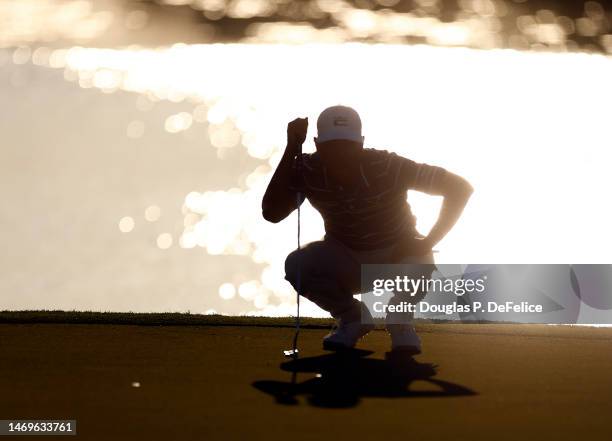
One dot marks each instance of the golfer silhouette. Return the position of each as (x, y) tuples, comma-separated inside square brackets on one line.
[(361, 195)]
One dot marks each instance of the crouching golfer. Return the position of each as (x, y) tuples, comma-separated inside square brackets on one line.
[(361, 195)]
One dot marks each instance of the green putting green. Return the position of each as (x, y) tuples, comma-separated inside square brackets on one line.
[(228, 380)]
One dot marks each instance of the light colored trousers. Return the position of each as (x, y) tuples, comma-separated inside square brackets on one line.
[(331, 275)]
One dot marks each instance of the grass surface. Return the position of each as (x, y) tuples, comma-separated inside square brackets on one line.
[(217, 381), (155, 319), (173, 319)]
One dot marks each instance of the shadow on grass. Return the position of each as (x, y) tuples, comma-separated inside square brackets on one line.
[(342, 379)]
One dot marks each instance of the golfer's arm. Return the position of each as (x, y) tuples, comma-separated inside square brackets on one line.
[(280, 199), (456, 192)]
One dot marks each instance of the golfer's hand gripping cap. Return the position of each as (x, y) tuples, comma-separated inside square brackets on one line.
[(339, 122)]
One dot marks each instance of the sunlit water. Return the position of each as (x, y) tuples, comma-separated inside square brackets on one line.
[(528, 130)]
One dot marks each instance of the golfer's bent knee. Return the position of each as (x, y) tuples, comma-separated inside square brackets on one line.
[(292, 261)]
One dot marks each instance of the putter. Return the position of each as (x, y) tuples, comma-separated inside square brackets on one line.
[(293, 352)]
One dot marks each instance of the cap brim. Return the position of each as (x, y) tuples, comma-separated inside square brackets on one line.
[(330, 137)]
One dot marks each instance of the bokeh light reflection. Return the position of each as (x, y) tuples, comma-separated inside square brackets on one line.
[(502, 118)]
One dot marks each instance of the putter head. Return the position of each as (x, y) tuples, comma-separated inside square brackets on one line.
[(291, 353)]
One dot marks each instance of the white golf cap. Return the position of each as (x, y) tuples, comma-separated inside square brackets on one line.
[(339, 122)]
